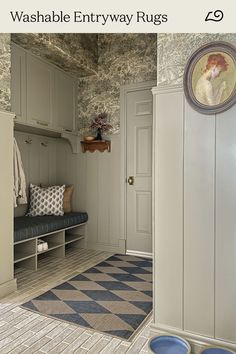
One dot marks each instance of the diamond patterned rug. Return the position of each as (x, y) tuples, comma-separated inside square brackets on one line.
[(113, 297)]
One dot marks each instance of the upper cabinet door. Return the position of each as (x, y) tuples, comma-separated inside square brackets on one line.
[(64, 100), (39, 92), (42, 95), (18, 83)]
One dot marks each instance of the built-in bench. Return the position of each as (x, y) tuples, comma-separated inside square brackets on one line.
[(57, 231)]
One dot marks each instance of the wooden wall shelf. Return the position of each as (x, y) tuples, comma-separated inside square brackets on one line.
[(100, 145)]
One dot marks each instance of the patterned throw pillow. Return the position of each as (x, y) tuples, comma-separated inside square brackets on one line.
[(67, 200), (46, 201)]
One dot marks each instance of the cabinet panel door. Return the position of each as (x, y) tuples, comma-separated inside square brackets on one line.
[(18, 83), (39, 92), (64, 101)]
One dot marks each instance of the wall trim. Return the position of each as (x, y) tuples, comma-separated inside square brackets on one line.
[(139, 254), (196, 341), (8, 114), (123, 119), (167, 88), (8, 288)]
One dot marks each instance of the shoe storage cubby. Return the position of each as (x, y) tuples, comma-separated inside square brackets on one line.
[(54, 241), (75, 237), (26, 253)]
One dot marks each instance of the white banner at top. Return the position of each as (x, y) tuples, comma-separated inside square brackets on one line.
[(103, 16)]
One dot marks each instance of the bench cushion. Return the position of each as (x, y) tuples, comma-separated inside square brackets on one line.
[(30, 226)]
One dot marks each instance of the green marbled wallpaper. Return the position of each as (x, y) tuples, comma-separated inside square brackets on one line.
[(5, 77), (122, 59)]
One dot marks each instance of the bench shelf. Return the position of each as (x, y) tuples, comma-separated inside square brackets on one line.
[(19, 257), (70, 238), (26, 253), (50, 248)]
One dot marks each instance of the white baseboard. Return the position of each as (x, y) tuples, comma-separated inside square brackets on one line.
[(197, 342), (8, 288), (139, 254), (105, 248)]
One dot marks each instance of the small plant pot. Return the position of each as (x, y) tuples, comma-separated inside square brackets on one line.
[(99, 134), (168, 344), (217, 350)]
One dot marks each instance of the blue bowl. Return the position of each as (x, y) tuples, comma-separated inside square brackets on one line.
[(169, 345), (215, 350)]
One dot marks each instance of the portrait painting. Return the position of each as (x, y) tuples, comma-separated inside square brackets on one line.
[(210, 78)]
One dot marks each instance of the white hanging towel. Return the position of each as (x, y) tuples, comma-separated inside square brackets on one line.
[(20, 196)]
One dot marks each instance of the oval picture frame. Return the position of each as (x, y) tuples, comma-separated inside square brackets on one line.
[(210, 78)]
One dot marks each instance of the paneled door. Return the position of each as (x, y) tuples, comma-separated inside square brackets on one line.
[(139, 171)]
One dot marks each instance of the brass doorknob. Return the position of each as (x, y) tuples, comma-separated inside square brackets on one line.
[(131, 180)]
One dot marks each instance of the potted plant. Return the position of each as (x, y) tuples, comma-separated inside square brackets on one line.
[(100, 124)]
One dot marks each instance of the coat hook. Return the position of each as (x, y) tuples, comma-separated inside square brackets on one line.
[(44, 144), (28, 141)]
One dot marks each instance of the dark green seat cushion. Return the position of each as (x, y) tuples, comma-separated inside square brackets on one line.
[(30, 226)]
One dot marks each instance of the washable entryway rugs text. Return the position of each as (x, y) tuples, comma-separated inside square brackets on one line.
[(113, 297)]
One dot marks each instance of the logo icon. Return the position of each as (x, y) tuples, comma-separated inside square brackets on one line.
[(215, 16)]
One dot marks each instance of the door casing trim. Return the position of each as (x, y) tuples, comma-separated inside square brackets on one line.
[(124, 90)]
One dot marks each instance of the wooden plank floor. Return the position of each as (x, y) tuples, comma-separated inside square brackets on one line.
[(26, 332)]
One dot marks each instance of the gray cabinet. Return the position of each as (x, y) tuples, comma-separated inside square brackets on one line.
[(18, 83), (65, 101), (39, 92), (42, 95)]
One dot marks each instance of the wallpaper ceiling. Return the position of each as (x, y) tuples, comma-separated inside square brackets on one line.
[(75, 53)]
